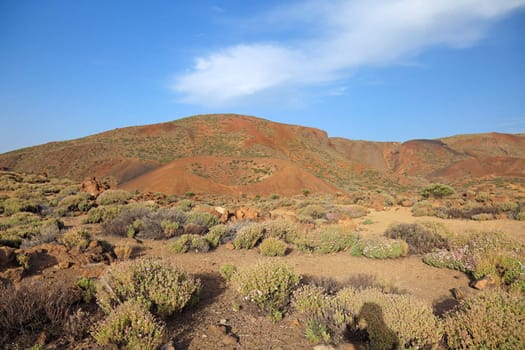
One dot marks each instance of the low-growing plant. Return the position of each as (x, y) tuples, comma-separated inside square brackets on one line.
[(227, 271), (88, 287), (333, 239), (420, 239), (123, 252), (202, 218), (132, 326), (281, 229), (190, 243), (267, 284), (185, 204), (272, 246), (23, 260), (423, 208), (77, 237), (490, 320), (76, 202), (437, 191), (380, 248), (163, 288), (391, 320), (114, 197), (217, 234), (102, 214), (249, 236), (312, 212)]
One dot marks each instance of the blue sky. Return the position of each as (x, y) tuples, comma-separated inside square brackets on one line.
[(385, 70)]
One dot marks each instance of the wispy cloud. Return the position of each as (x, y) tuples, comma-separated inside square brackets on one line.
[(341, 36)]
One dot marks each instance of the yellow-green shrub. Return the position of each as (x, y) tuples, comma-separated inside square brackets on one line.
[(248, 236), (163, 288), (267, 284), (190, 243), (76, 238), (272, 246), (490, 320), (380, 248), (131, 326)]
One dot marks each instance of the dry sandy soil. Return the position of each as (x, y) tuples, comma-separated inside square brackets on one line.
[(194, 328)]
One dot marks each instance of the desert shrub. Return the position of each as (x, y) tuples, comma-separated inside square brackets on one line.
[(185, 204), (482, 217), (34, 306), (227, 271), (507, 206), (102, 214), (120, 225), (272, 246), (217, 234), (380, 248), (423, 208), (521, 214), (170, 228), (114, 197), (354, 211), (249, 236), (14, 205), (333, 239), (282, 229), (123, 252), (76, 202), (267, 284), (76, 238), (131, 326), (437, 191), (420, 239), (190, 243), (312, 212), (202, 219), (391, 320), (164, 289), (48, 231), (88, 287), (162, 224), (490, 320)]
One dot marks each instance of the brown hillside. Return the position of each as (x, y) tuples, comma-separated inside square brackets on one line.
[(241, 154)]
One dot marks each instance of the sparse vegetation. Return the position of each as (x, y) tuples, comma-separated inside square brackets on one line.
[(269, 285), (420, 238), (437, 191), (272, 246)]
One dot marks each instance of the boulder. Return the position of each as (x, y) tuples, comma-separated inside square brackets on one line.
[(246, 213), (484, 283), (93, 186)]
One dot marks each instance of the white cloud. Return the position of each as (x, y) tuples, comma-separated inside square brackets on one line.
[(342, 36)]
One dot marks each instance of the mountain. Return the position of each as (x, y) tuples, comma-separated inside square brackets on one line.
[(234, 154)]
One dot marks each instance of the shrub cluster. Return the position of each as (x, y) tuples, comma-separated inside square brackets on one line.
[(78, 238), (190, 243), (490, 320), (114, 197), (267, 284), (131, 326), (380, 247), (249, 236), (437, 191), (164, 289), (390, 320), (420, 238), (272, 246)]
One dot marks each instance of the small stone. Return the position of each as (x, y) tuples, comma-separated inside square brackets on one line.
[(229, 246), (295, 323), (229, 340), (223, 321), (168, 346), (483, 283), (65, 264)]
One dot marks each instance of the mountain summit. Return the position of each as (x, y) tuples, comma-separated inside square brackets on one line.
[(234, 154)]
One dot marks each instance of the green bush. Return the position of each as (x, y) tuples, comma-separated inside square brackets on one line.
[(202, 219), (312, 212), (334, 238), (76, 238), (114, 197), (272, 246), (267, 284), (482, 217), (216, 235), (420, 239), (380, 248), (14, 205), (437, 191), (88, 287), (490, 320), (423, 208), (164, 289), (185, 204), (102, 214), (248, 236), (391, 320), (130, 326), (76, 202), (281, 229), (190, 243), (227, 271)]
